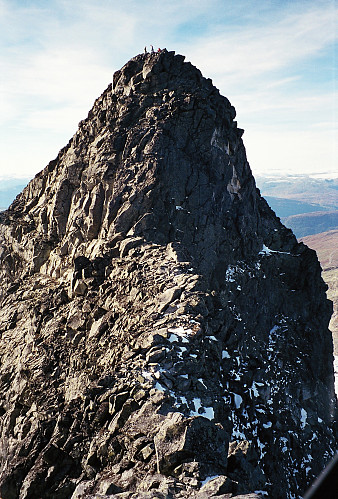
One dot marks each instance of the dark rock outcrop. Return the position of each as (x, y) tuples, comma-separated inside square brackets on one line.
[(162, 333)]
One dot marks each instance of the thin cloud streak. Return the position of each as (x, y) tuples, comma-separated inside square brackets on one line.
[(254, 52)]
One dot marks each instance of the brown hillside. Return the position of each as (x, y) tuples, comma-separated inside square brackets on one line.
[(326, 246)]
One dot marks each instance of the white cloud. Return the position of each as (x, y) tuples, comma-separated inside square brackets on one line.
[(58, 56)]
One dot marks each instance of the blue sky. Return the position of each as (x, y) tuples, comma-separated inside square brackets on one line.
[(276, 61)]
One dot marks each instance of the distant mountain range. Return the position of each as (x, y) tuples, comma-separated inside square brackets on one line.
[(306, 205), (319, 192)]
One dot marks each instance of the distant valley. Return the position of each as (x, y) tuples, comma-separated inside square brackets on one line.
[(306, 205), (319, 192), (290, 207)]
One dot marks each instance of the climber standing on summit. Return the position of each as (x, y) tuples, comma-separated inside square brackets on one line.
[(152, 49)]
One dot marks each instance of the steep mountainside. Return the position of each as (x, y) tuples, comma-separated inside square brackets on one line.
[(162, 333)]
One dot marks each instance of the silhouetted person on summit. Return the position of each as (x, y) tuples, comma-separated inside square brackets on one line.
[(152, 49), (145, 50)]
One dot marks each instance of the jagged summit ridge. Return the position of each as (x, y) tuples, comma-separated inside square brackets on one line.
[(139, 351)]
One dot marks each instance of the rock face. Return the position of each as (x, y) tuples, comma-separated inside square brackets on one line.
[(162, 333)]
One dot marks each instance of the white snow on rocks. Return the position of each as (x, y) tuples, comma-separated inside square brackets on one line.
[(238, 400), (208, 478), (267, 251), (206, 412), (267, 425), (303, 417)]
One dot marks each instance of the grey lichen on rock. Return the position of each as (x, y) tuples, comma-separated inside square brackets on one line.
[(162, 333)]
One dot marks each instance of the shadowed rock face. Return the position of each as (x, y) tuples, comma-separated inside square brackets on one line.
[(162, 333)]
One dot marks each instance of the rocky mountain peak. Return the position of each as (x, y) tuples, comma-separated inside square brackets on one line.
[(159, 149), (161, 331)]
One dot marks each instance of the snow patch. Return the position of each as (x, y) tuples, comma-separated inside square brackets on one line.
[(159, 387), (254, 390), (284, 443), (237, 434), (206, 412), (179, 332), (303, 417), (261, 447), (238, 400), (267, 251), (229, 275), (208, 478), (201, 381)]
